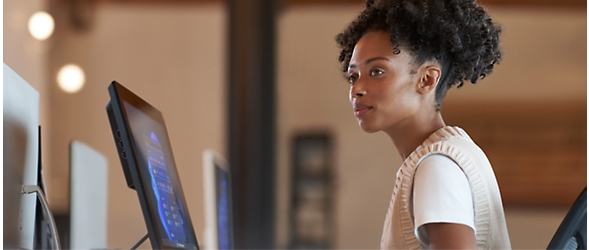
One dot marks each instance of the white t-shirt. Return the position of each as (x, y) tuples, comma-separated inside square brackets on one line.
[(441, 193)]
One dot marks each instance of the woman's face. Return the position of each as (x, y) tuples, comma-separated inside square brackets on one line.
[(383, 84)]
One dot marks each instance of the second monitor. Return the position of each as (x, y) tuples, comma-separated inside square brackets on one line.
[(218, 207), (146, 156)]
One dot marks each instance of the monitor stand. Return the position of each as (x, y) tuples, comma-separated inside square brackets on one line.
[(140, 242), (30, 189)]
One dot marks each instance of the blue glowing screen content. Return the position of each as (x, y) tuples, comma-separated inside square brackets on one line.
[(164, 196), (223, 208), (167, 205)]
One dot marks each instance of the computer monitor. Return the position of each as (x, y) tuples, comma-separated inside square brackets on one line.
[(88, 197), (146, 156), (218, 208), (572, 232), (21, 159)]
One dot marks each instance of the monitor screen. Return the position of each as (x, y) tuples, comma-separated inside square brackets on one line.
[(218, 210), (146, 155), (223, 209), (572, 232)]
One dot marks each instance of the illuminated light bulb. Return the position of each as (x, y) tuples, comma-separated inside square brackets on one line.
[(41, 25), (71, 78)]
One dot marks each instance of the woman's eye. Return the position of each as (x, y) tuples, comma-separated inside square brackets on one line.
[(376, 72), (352, 79)]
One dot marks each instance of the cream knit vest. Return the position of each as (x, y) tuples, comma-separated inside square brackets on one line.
[(491, 230)]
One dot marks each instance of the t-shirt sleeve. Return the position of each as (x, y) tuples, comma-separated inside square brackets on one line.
[(441, 194)]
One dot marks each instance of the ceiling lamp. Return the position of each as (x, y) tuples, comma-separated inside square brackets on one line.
[(41, 25)]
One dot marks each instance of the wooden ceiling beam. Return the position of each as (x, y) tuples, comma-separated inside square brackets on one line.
[(510, 3), (521, 3)]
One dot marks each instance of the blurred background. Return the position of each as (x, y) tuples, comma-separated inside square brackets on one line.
[(330, 183)]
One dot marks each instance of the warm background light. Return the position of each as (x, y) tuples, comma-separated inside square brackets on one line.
[(71, 78), (41, 25)]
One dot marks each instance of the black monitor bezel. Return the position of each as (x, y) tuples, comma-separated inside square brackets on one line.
[(129, 157)]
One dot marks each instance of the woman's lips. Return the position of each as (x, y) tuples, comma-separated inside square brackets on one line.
[(361, 109)]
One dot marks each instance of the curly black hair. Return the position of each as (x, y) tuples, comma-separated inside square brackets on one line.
[(459, 33)]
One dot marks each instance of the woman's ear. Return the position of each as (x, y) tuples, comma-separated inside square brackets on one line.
[(429, 79)]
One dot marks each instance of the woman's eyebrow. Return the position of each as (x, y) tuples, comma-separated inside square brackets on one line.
[(378, 58)]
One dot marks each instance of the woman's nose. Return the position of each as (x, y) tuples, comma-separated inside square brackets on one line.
[(357, 90)]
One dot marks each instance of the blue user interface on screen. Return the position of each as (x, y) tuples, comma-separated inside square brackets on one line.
[(151, 140), (223, 209), (169, 211)]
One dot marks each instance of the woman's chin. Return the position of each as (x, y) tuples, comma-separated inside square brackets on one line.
[(368, 129)]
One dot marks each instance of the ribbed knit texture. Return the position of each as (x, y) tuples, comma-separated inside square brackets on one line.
[(491, 230)]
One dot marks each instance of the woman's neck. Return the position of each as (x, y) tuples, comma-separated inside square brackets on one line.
[(407, 136)]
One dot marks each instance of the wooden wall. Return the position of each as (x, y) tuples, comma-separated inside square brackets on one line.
[(538, 150)]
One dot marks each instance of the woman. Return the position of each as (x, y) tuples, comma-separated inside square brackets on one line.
[(400, 57)]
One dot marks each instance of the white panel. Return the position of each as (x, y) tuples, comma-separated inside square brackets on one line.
[(21, 149), (88, 200)]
